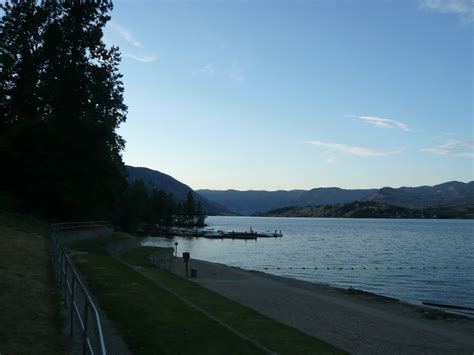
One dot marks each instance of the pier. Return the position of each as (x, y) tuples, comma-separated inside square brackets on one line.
[(210, 234)]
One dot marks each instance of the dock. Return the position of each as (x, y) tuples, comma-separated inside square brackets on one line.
[(210, 234)]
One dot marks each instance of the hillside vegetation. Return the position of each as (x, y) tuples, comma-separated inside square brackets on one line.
[(370, 209), (449, 194)]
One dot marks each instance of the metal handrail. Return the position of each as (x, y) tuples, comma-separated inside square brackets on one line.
[(79, 225), (74, 290)]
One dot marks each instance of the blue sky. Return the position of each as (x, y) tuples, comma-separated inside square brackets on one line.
[(298, 94)]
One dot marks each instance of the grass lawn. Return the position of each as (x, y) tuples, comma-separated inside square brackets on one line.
[(30, 305), (152, 320), (273, 335)]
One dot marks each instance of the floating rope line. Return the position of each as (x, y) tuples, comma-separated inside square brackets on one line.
[(370, 268)]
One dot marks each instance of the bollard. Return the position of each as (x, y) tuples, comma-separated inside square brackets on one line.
[(186, 257)]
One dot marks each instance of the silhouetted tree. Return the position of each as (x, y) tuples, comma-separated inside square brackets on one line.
[(61, 100)]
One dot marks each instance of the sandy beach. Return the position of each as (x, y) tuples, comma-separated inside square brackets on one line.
[(357, 322)]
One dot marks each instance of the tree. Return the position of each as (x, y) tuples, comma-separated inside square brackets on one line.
[(200, 216), (61, 101), (189, 209)]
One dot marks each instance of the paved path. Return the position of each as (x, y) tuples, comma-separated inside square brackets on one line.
[(358, 323)]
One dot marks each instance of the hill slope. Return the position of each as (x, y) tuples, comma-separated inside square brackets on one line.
[(370, 209), (251, 202), (453, 193), (171, 185), (449, 194)]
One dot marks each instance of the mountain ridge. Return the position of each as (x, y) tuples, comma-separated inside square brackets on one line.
[(249, 202)]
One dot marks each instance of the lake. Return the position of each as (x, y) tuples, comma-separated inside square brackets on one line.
[(412, 260)]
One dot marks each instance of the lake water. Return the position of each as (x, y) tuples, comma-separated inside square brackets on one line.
[(412, 260)]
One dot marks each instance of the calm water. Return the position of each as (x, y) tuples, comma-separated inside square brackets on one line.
[(412, 260)]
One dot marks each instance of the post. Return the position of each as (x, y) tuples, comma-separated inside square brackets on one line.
[(84, 335), (186, 257), (71, 300), (176, 249), (65, 286)]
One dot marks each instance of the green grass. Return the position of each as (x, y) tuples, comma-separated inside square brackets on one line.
[(278, 337), (150, 316), (150, 319), (30, 305), (138, 256)]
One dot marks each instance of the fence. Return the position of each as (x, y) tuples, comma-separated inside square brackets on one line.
[(77, 300)]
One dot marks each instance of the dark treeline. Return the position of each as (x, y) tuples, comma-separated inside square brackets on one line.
[(61, 101), (144, 204)]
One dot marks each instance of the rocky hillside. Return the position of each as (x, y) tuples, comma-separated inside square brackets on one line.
[(251, 202), (449, 194), (370, 209)]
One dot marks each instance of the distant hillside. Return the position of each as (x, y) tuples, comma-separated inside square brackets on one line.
[(177, 188), (251, 202), (370, 209), (449, 194)]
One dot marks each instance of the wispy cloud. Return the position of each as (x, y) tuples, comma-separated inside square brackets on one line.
[(462, 8), (131, 47), (381, 122), (124, 33), (332, 160), (208, 69), (140, 58), (352, 150), (460, 148)]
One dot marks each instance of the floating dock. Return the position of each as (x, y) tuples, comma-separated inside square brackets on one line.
[(210, 234)]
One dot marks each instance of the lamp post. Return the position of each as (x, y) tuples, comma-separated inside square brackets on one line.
[(176, 249)]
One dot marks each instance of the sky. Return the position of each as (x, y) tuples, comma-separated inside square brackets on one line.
[(270, 95)]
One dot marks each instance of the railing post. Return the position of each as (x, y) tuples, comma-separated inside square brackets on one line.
[(65, 285), (71, 330), (84, 335), (60, 271)]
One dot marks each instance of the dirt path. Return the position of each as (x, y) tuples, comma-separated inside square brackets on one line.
[(357, 323)]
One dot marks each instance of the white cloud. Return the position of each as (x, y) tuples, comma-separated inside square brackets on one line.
[(462, 8), (119, 35), (460, 148), (332, 159), (208, 69), (352, 150), (124, 33), (381, 122), (140, 58)]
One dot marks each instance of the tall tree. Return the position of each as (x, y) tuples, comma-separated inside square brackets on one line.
[(61, 100)]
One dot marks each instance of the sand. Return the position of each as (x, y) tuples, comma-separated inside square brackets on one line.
[(359, 323)]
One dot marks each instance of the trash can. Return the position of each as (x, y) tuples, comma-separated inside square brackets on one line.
[(194, 273)]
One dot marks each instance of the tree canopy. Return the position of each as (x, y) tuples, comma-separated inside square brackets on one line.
[(61, 101)]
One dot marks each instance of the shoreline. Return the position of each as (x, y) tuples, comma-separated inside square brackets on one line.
[(354, 320), (419, 307)]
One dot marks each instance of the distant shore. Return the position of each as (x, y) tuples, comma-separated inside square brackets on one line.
[(369, 209), (356, 321)]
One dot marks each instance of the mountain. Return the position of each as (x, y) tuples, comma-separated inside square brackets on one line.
[(371, 209), (251, 202), (178, 189), (449, 194), (453, 193)]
